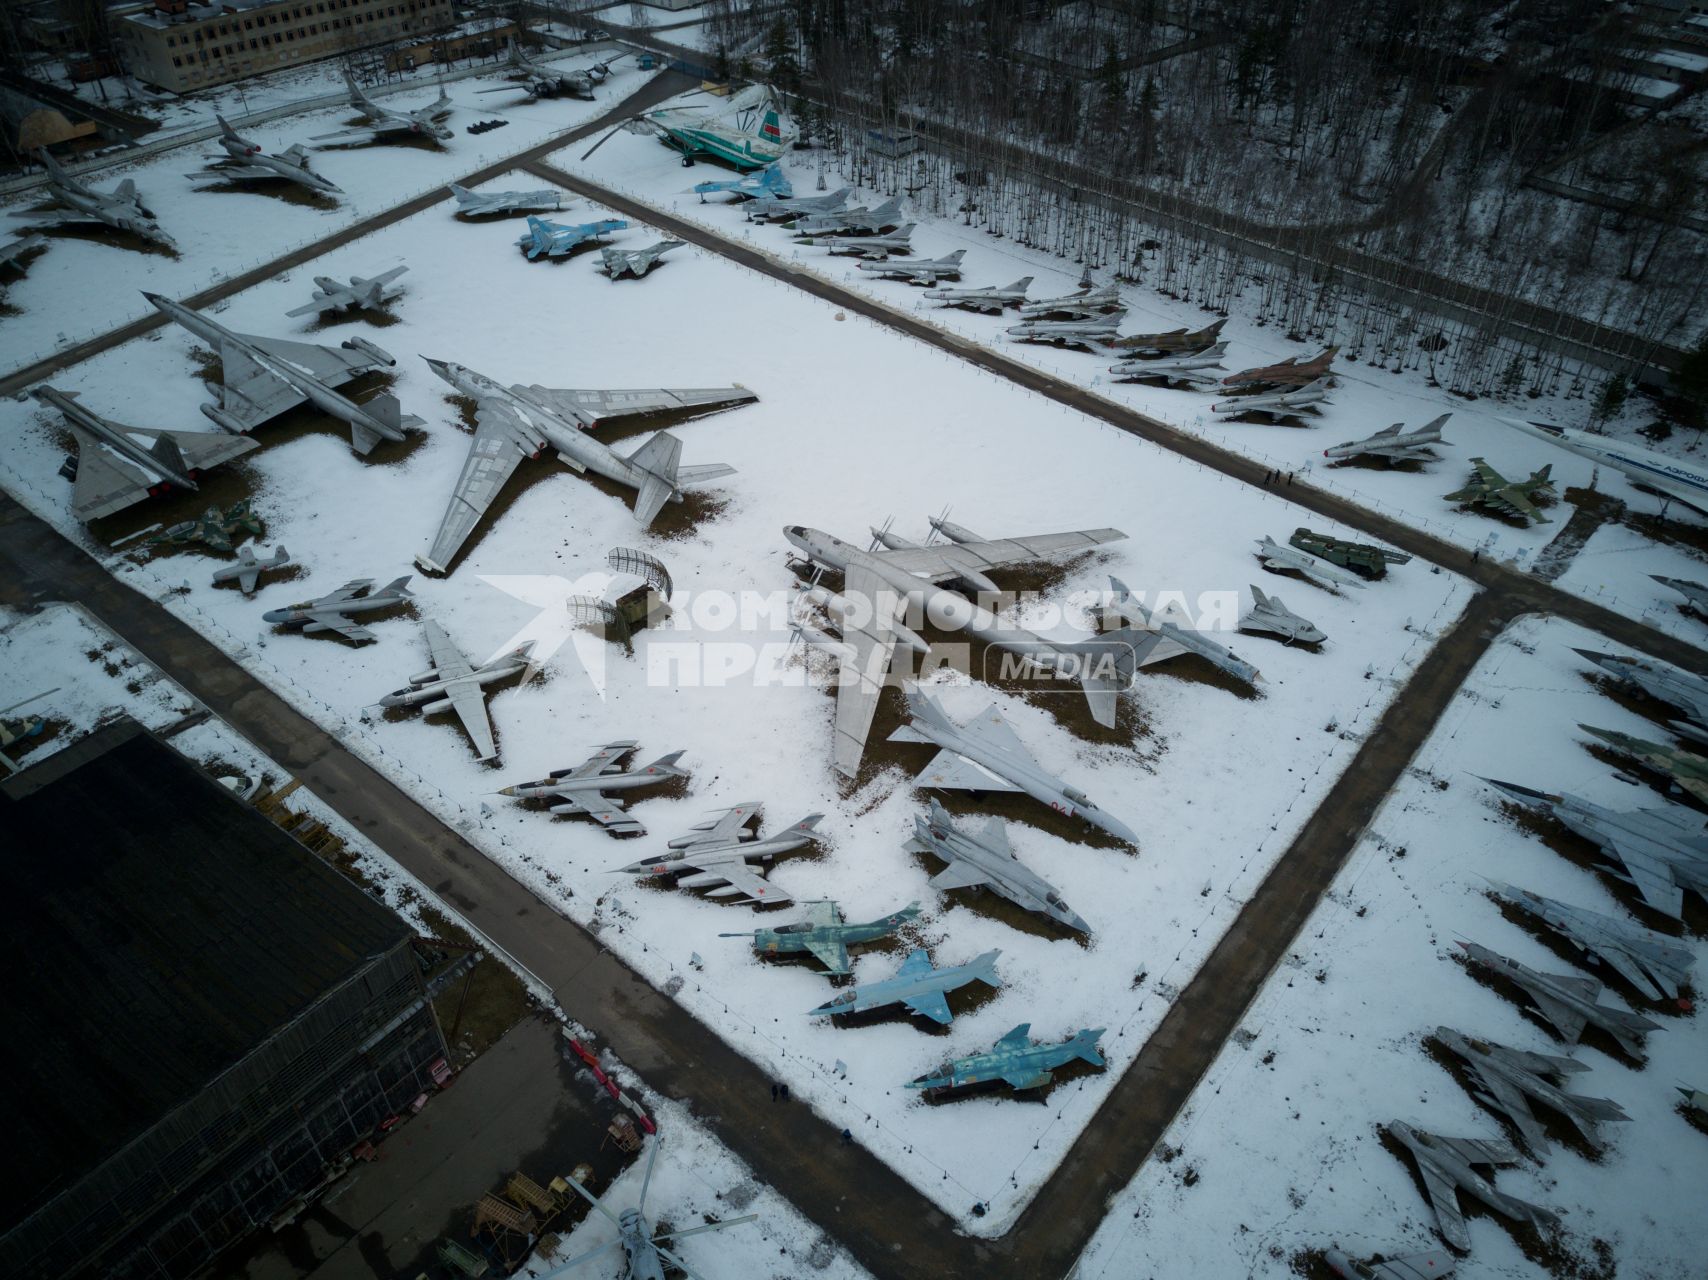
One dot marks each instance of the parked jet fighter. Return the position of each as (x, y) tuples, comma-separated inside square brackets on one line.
[(117, 465), (1176, 342), (1412, 1266), (220, 530), (580, 790), (1268, 614), (825, 935), (1190, 369), (1277, 404), (517, 422), (1291, 372), (122, 208), (263, 377), (745, 130), (452, 683), (1684, 770), (1651, 962), (874, 248), (1446, 1167), (844, 222), (1508, 1080), (1671, 477), (715, 853), (244, 161), (1280, 559), (1661, 682), (1081, 305), (383, 122), (1175, 639), (887, 582), (1515, 498), (617, 263), (985, 755), (479, 204), (1566, 1002), (990, 300), (12, 252), (923, 271), (248, 570), (336, 611), (774, 208), (558, 240), (1661, 852), (1394, 444), (916, 984), (1088, 333), (1695, 593), (768, 183), (362, 291), (987, 859), (1016, 1060)]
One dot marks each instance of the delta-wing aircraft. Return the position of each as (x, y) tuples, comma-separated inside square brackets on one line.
[(245, 161), (383, 122)]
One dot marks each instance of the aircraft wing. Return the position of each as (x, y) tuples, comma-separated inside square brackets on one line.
[(590, 804), (105, 482), (342, 296), (959, 874), (1515, 503), (1023, 1079), (591, 407), (930, 1004), (1444, 1198), (52, 217), (989, 726), (349, 591), (946, 561), (501, 440), (1516, 1106), (832, 954), (728, 826), (862, 677), (742, 877), (1653, 879), (203, 449), (448, 660), (470, 706), (952, 771), (332, 365), (357, 134), (1568, 1022), (384, 277), (249, 393), (332, 620), (599, 759)]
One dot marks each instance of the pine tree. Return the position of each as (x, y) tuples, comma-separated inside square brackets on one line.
[(1610, 403), (1691, 379)]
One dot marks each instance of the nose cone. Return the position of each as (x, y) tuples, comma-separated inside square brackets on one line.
[(1114, 826), (276, 615), (444, 368)]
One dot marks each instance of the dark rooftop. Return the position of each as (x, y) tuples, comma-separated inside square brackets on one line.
[(153, 931)]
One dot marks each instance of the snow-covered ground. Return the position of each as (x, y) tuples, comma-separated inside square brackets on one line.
[(87, 283), (903, 431), (1366, 399), (1281, 1134), (1616, 567)]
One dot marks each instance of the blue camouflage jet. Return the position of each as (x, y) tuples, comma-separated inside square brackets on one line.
[(1016, 1061), (770, 182), (558, 240)]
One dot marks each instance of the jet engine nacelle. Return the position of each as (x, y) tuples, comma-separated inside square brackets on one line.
[(435, 706), (838, 605), (1077, 796), (221, 419), (425, 677), (368, 349)]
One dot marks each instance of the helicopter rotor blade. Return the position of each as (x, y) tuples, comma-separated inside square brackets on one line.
[(710, 1226)]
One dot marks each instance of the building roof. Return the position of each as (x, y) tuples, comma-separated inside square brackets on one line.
[(153, 931)]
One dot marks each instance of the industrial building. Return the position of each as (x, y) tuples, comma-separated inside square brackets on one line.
[(206, 1020)]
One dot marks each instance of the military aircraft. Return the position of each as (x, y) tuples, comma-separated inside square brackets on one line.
[(769, 183), (1651, 962), (1364, 558), (1268, 614), (825, 935), (884, 584), (543, 81), (1277, 404), (1394, 444), (1411, 1266), (990, 300), (1684, 770), (745, 130), (925, 271), (122, 208), (1017, 1061), (1190, 369), (874, 248), (1088, 333), (453, 683), (1291, 372), (248, 570), (1082, 305), (362, 291), (1566, 1002), (1508, 1080), (13, 251), (985, 755), (1695, 593), (715, 853), (383, 122), (1280, 559), (986, 859), (517, 422), (1661, 852), (580, 790), (644, 1253), (1446, 1167), (1662, 473), (1175, 639), (337, 610), (263, 377), (1176, 342), (1515, 498), (244, 161), (859, 220), (617, 263), (117, 464), (1695, 1099), (916, 984), (1663, 683), (558, 240), (774, 208), (479, 204), (221, 530)]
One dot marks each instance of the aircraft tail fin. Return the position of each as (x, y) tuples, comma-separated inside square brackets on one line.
[(126, 190), (167, 453), (1599, 1108), (1019, 286), (984, 968), (667, 766), (463, 194), (1085, 1047), (397, 587), (806, 826), (956, 256), (1215, 352), (771, 128), (921, 707), (659, 459), (539, 237), (1107, 664), (1258, 599)]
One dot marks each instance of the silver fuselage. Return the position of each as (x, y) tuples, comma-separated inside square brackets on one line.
[(1008, 877), (114, 438)]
